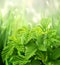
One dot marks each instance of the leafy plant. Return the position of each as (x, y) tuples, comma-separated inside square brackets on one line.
[(25, 45)]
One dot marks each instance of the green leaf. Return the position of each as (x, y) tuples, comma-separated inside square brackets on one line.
[(45, 22), (40, 43), (7, 51), (57, 62), (35, 62), (56, 53), (30, 49), (17, 60), (41, 55)]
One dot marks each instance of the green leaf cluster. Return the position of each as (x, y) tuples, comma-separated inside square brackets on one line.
[(25, 45)]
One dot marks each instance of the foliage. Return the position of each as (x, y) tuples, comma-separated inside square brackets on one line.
[(25, 45)]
